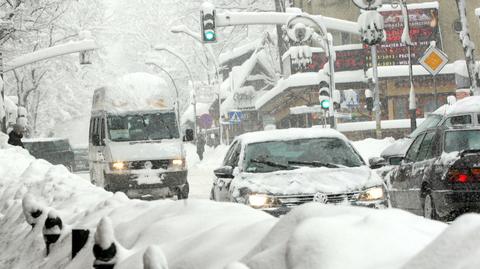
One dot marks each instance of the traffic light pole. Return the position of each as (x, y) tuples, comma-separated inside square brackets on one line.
[(376, 104)]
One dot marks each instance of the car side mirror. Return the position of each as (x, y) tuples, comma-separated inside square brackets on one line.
[(224, 172), (395, 160), (377, 162), (189, 136)]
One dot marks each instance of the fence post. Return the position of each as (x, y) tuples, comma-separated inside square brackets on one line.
[(52, 229), (104, 249)]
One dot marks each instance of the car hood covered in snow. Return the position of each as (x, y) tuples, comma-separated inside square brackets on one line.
[(308, 180), (155, 150)]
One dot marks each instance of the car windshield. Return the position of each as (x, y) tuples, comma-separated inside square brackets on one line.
[(271, 156), (142, 127), (431, 121), (460, 140)]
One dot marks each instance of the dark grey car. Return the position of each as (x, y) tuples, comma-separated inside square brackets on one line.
[(53, 150), (439, 177)]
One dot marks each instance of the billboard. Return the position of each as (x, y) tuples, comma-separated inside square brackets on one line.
[(424, 28)]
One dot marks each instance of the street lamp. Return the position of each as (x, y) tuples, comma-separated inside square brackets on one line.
[(161, 48), (174, 85), (297, 32), (183, 29)]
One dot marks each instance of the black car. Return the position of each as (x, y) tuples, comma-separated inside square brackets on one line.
[(439, 177), (81, 159), (53, 150)]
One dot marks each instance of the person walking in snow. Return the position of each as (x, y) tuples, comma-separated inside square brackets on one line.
[(16, 135), (200, 146)]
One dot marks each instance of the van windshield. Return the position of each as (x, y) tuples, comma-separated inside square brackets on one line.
[(140, 127)]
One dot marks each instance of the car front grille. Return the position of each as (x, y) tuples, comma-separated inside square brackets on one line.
[(156, 164), (295, 200)]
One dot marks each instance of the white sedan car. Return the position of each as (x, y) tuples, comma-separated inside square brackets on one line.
[(280, 169)]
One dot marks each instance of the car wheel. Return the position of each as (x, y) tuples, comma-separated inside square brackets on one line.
[(429, 208)]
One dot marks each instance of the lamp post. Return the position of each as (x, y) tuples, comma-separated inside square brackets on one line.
[(174, 85), (184, 30), (372, 36), (160, 48)]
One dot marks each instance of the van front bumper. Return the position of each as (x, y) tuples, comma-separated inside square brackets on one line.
[(148, 185)]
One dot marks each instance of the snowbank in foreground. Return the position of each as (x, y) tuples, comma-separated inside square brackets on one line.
[(192, 234), (205, 234), (316, 236)]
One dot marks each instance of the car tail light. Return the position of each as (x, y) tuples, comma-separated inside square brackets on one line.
[(457, 176), (476, 173)]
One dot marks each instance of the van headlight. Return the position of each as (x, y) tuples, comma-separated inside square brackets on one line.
[(177, 164), (119, 165), (372, 194)]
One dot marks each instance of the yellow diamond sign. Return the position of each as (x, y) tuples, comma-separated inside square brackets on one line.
[(433, 60)]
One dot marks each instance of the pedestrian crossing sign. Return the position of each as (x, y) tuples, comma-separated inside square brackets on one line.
[(235, 116)]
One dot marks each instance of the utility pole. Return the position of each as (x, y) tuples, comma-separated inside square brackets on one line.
[(468, 48), (281, 46), (4, 118)]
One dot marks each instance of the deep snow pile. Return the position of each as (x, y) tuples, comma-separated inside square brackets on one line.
[(196, 233), (370, 147), (192, 234)]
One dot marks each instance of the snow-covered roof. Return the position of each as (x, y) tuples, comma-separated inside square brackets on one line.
[(202, 108), (425, 5), (135, 92), (238, 51), (308, 79), (289, 134), (403, 71), (371, 125)]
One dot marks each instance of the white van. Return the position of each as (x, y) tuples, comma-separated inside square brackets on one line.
[(135, 144)]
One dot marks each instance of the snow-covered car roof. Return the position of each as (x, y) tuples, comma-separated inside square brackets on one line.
[(289, 134), (43, 139), (466, 105)]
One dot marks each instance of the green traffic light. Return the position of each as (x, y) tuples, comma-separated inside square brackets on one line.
[(325, 104), (209, 35)]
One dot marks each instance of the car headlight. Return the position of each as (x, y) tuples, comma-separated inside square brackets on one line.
[(371, 194), (119, 165), (260, 200)]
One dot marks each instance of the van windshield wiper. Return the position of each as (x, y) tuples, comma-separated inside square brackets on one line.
[(271, 163), (317, 164)]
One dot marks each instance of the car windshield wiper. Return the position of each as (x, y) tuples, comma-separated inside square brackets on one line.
[(271, 163), (317, 164)]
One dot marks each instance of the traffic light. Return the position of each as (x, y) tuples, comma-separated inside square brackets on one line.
[(369, 99), (324, 98), (207, 18)]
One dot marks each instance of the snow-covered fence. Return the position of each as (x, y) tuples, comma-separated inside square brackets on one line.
[(32, 210), (105, 248), (52, 229), (154, 258)]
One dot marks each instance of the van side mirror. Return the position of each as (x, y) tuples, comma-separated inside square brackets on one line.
[(395, 160), (189, 136), (96, 140), (224, 172), (377, 162)]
